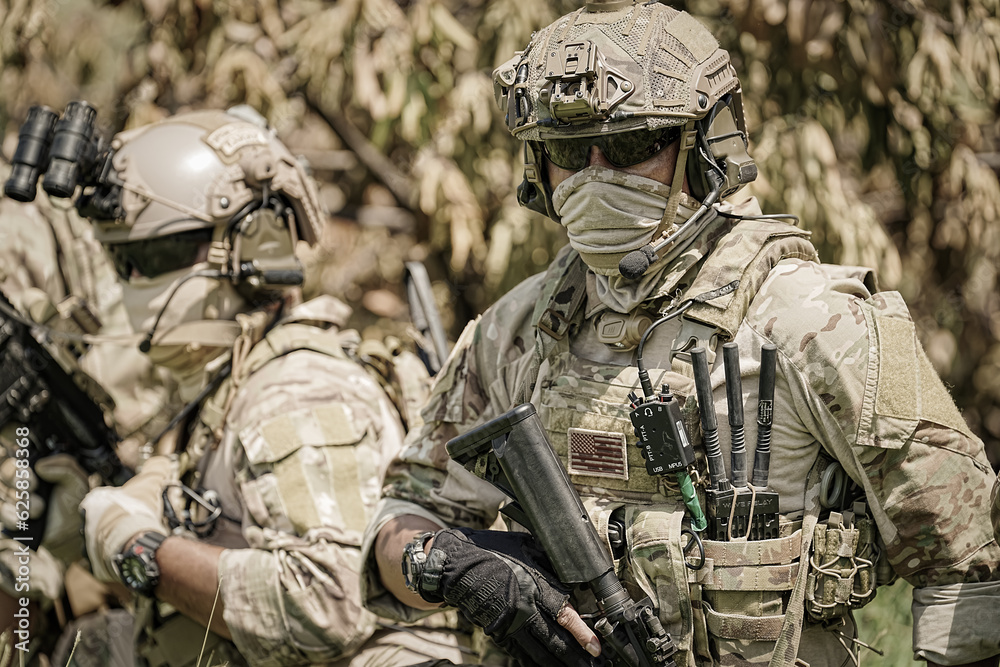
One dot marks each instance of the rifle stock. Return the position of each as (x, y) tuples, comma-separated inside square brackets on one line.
[(513, 453)]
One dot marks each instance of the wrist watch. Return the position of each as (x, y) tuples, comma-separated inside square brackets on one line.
[(415, 561), (137, 565)]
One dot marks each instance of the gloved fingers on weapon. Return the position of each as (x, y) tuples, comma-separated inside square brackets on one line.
[(19, 503), (9, 467), (585, 637), (63, 525), (63, 533), (47, 573), (538, 645), (113, 516), (504, 583)]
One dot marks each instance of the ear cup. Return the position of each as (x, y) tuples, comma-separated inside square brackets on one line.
[(724, 141), (264, 255)]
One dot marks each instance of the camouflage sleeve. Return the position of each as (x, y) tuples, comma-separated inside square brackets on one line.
[(474, 386), (310, 437), (28, 252), (870, 396)]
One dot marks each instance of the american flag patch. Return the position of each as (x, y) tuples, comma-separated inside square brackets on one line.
[(597, 453)]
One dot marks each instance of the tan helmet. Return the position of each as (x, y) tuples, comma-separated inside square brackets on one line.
[(617, 66), (207, 174)]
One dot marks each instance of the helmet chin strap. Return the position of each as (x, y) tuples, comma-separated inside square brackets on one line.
[(689, 137)]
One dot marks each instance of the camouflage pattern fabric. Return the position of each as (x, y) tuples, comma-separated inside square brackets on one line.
[(28, 252), (681, 50), (995, 509), (53, 269), (297, 466), (49, 259), (852, 381)]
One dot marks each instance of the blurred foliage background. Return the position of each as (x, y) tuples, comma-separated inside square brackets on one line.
[(873, 121)]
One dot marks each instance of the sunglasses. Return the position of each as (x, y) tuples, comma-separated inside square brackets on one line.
[(154, 257), (621, 150)]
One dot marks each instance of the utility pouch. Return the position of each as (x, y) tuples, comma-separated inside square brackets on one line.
[(741, 594), (841, 568)]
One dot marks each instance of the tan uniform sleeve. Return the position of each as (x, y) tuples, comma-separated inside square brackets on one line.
[(423, 481), (473, 387), (865, 390), (311, 436), (28, 252)]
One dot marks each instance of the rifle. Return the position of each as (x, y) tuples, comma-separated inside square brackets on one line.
[(433, 347), (513, 453), (57, 412)]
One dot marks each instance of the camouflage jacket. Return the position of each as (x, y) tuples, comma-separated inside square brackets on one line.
[(852, 382), (294, 448)]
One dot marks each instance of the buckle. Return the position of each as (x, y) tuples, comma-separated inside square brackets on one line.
[(564, 324)]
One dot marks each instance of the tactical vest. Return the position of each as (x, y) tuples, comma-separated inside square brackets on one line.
[(164, 638), (750, 597)]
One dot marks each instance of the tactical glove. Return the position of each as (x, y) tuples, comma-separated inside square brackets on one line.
[(113, 516), (504, 583), (63, 534)]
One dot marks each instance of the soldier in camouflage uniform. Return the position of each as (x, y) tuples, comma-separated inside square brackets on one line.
[(249, 521), (57, 274), (635, 142)]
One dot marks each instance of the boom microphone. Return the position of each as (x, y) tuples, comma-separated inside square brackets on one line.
[(633, 265), (637, 262)]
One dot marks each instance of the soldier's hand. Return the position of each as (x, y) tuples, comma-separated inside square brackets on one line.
[(63, 534), (503, 582), (113, 516)]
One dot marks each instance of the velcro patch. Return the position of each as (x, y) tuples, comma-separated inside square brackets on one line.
[(597, 453), (230, 138)]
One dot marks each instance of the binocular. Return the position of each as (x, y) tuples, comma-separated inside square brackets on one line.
[(65, 149)]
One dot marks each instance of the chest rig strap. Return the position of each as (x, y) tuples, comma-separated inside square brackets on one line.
[(787, 647), (559, 307)]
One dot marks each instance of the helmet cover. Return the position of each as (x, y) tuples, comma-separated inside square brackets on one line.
[(613, 67)]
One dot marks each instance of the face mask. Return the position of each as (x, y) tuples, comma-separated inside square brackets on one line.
[(623, 295), (608, 214), (198, 319)]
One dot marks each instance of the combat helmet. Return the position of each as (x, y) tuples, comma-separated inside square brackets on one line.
[(617, 66), (206, 176)]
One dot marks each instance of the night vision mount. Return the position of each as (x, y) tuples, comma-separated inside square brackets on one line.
[(64, 151), (582, 86)]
